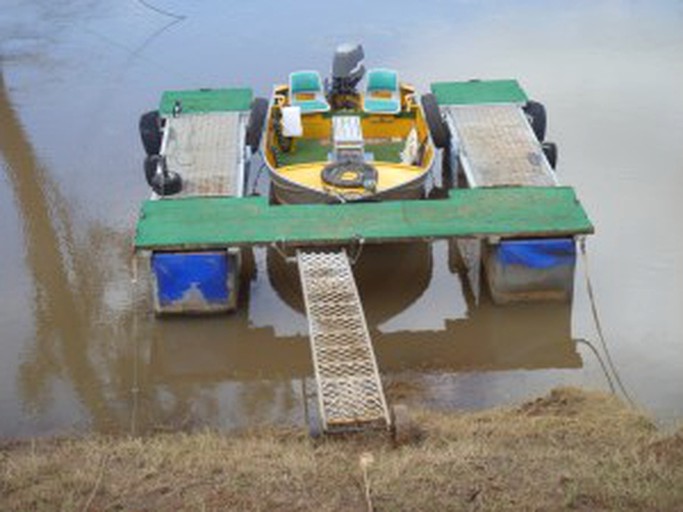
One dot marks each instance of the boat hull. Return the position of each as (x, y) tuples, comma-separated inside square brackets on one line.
[(284, 191)]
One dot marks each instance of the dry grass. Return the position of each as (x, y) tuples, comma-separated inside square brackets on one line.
[(571, 450)]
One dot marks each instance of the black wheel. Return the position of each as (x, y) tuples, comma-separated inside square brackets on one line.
[(151, 164), (162, 181), (167, 183), (438, 128), (535, 113), (550, 152), (259, 109), (150, 132)]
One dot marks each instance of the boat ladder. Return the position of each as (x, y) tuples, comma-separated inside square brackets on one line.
[(350, 394)]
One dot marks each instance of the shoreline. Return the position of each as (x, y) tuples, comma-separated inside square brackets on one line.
[(571, 449)]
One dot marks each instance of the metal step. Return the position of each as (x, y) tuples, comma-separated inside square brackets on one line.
[(349, 388)]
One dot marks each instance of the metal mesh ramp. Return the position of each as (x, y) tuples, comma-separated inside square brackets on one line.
[(207, 151), (498, 147), (350, 392)]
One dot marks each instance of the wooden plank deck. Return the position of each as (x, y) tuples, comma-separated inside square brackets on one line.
[(498, 147), (198, 223), (207, 151)]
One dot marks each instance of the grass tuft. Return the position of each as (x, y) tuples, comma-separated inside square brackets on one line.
[(570, 450)]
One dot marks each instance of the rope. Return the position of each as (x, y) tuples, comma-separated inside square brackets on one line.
[(365, 461), (100, 474), (602, 363), (360, 243), (161, 11), (281, 252), (135, 390), (136, 53), (598, 323)]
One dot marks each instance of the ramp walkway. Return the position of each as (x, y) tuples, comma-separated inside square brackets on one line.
[(349, 389)]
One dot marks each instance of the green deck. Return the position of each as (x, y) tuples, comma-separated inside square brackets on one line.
[(201, 101), (479, 92), (202, 223)]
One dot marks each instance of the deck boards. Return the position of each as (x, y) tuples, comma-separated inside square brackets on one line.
[(479, 92), (201, 101), (206, 151), (498, 147), (195, 223)]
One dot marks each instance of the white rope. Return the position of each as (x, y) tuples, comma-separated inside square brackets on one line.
[(602, 363), (598, 323), (359, 250), (281, 252), (161, 11), (135, 390)]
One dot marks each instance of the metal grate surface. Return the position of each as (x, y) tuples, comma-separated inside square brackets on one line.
[(350, 392), (206, 150), (498, 147)]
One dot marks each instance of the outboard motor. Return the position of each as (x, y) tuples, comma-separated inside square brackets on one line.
[(347, 71)]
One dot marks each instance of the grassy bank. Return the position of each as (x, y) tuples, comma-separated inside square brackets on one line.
[(570, 450)]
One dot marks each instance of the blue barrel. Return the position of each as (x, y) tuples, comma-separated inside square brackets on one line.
[(531, 269), (539, 254), (195, 282)]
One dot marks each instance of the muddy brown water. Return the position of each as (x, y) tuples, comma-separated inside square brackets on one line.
[(79, 349)]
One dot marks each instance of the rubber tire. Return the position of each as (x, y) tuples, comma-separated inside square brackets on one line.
[(167, 183), (150, 132), (550, 152), (257, 118), (536, 114), (441, 135), (150, 166)]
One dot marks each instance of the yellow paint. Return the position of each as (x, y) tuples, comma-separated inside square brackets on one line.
[(376, 126), (316, 126), (388, 176)]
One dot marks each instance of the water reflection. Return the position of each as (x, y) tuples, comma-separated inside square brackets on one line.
[(258, 376), (492, 338), (124, 365), (390, 277), (69, 280), (86, 353)]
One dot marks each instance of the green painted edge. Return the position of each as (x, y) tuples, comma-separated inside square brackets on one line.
[(200, 223), (200, 101), (479, 92)]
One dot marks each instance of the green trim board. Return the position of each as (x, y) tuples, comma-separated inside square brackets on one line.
[(478, 92), (200, 223), (201, 101)]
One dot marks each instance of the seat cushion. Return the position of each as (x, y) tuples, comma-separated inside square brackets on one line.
[(312, 105), (305, 82), (381, 105), (382, 79)]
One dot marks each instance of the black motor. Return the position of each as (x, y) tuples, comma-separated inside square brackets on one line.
[(347, 72)]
